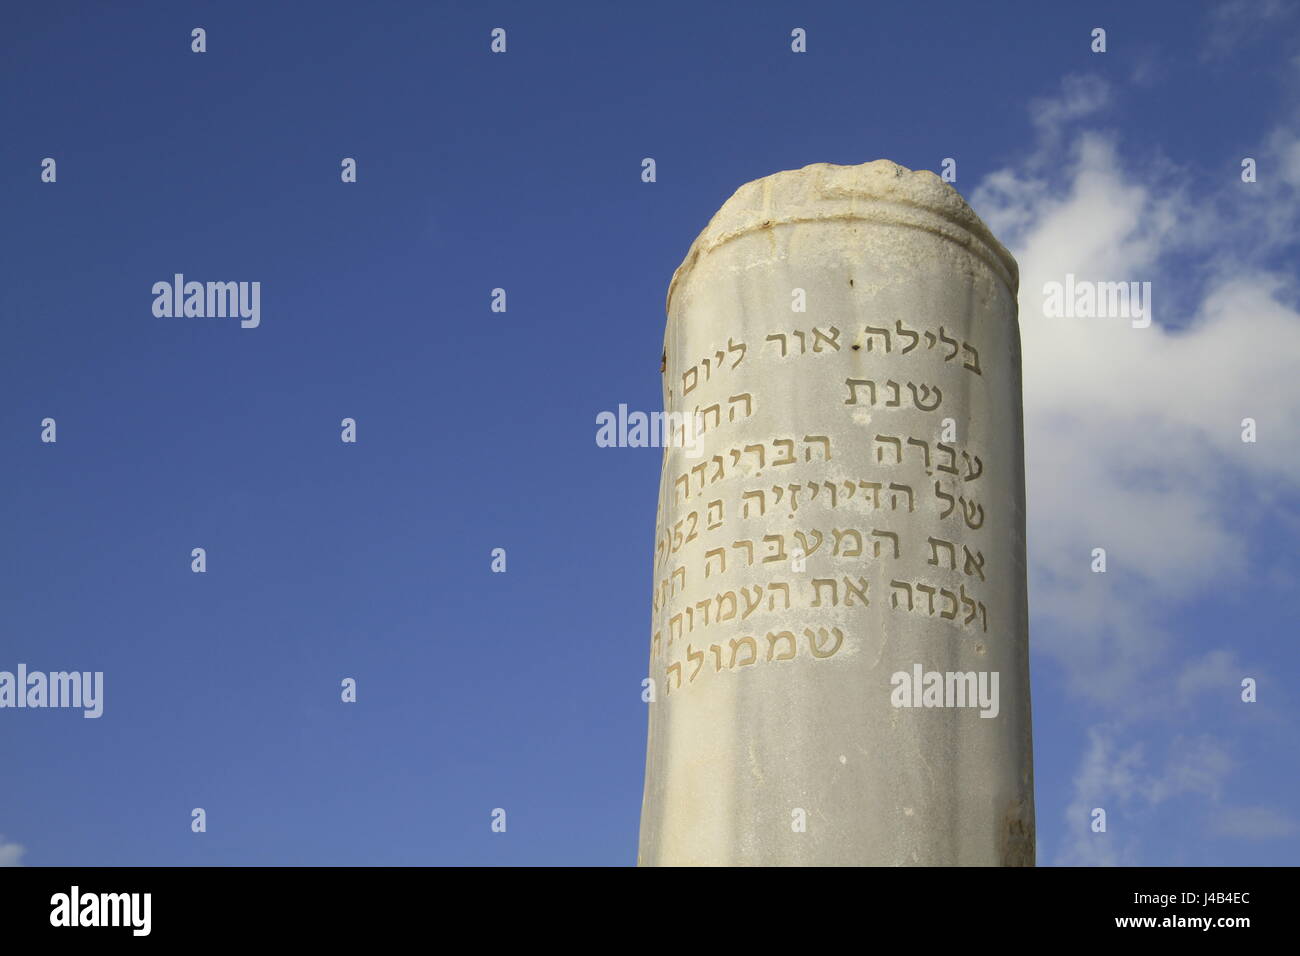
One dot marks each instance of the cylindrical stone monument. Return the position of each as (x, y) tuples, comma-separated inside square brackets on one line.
[(839, 647)]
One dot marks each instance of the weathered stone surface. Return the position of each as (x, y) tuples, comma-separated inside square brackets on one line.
[(856, 511)]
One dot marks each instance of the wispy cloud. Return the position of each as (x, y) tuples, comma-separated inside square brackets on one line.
[(1133, 435), (1116, 776), (1253, 823), (1235, 24), (10, 853)]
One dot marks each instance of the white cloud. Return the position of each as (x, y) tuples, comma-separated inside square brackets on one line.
[(1106, 775), (10, 853), (1114, 776), (1237, 23), (1253, 823), (1133, 435)]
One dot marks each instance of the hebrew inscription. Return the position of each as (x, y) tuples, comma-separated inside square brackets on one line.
[(870, 499)]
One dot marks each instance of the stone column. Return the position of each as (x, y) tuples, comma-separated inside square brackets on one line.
[(839, 644)]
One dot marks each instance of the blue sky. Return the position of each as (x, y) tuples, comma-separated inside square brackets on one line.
[(476, 429)]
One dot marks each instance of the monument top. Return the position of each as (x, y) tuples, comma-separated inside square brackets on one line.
[(879, 191)]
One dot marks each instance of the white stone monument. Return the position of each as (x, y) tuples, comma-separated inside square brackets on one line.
[(839, 645)]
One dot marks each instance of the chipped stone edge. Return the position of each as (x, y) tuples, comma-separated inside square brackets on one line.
[(879, 191)]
